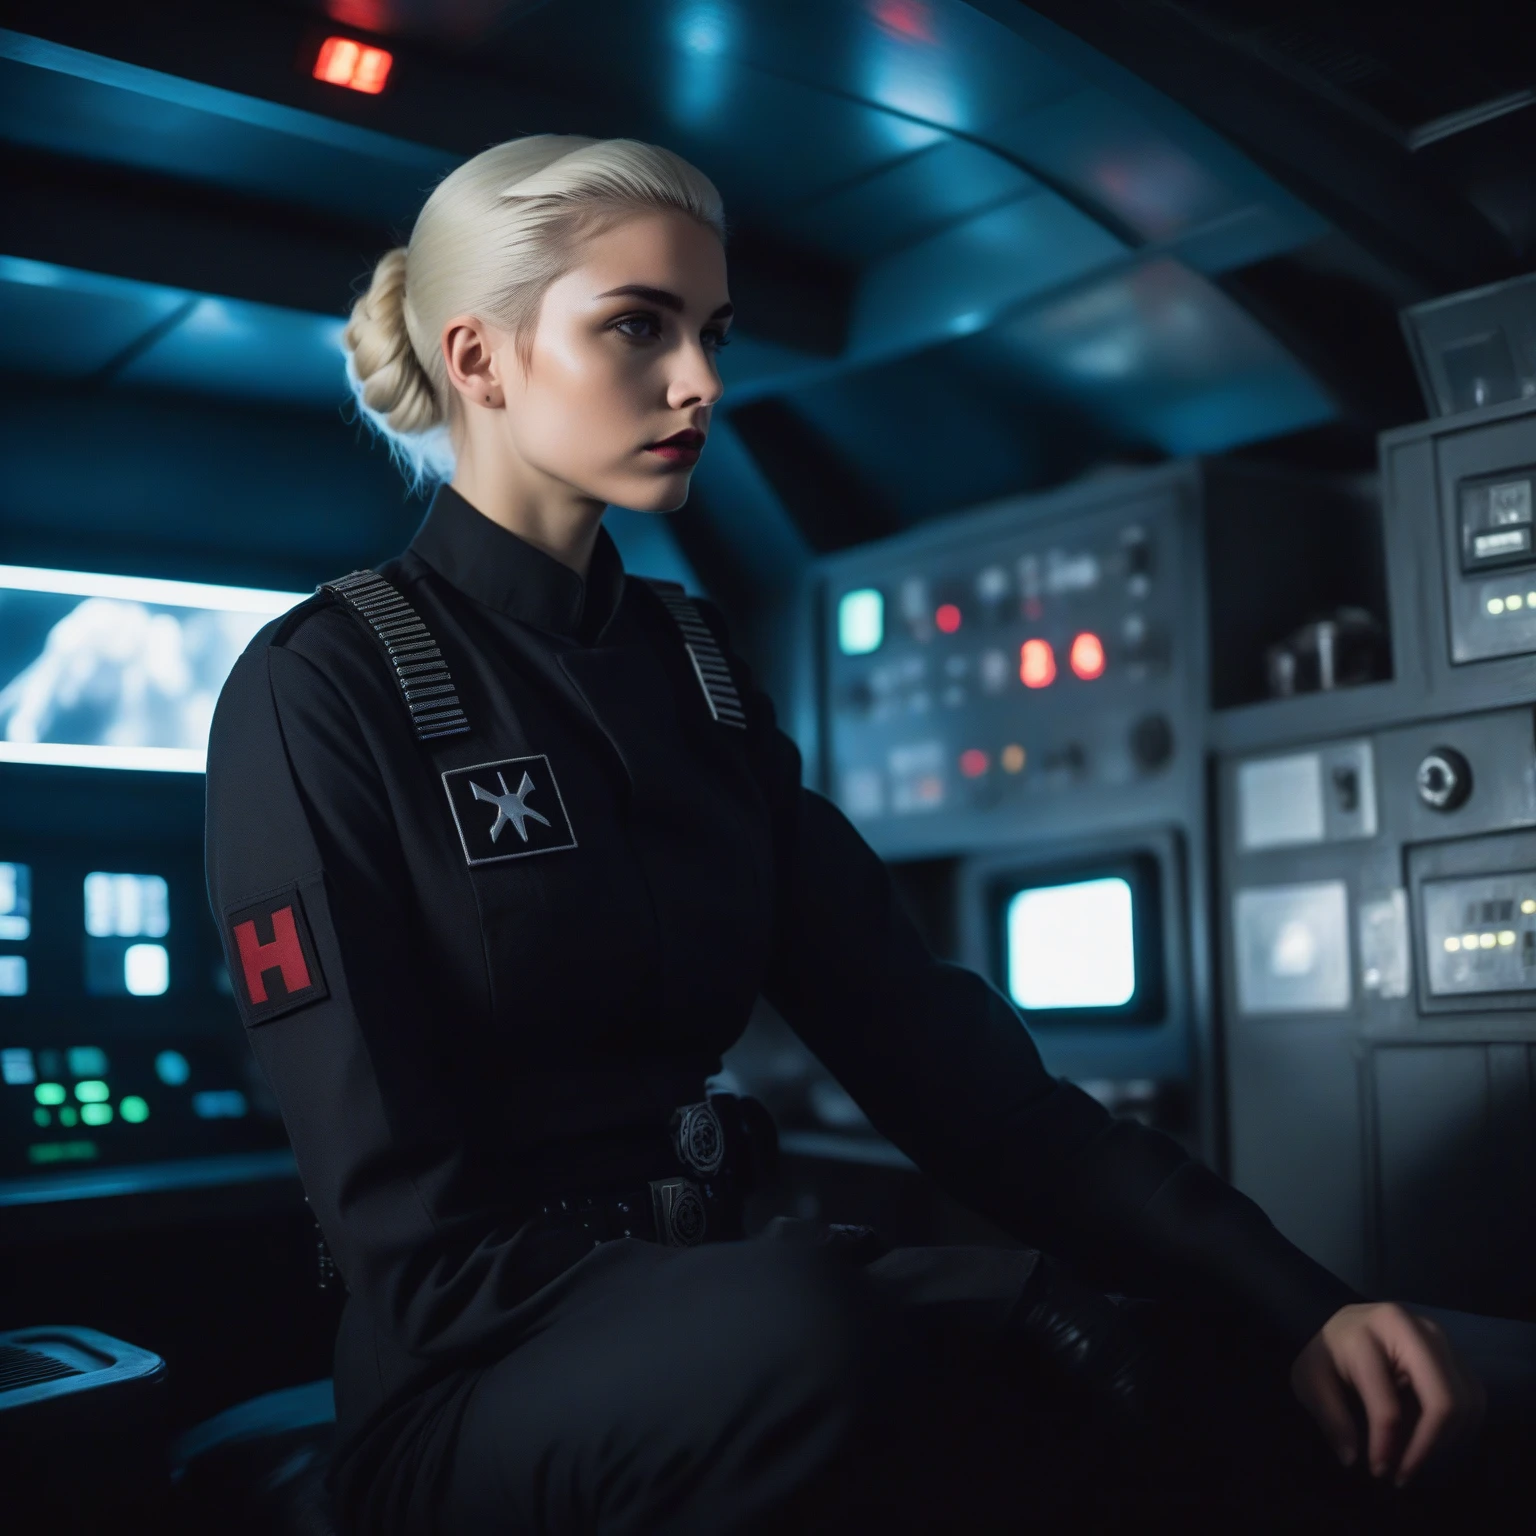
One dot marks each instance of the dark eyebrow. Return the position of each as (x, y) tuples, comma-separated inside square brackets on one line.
[(662, 297)]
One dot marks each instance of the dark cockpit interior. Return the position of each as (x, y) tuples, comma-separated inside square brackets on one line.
[(1125, 488)]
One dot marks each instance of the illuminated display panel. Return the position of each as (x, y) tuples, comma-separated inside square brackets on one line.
[(123, 1063), (118, 671), (1072, 946), (1080, 944)]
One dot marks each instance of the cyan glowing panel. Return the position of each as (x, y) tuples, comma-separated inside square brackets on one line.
[(860, 622), (118, 671), (126, 906), (17, 1068), (13, 975), (146, 970), (1072, 946), (15, 902)]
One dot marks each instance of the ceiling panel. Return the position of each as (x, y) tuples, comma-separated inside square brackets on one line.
[(735, 131), (1164, 357), (71, 103), (963, 279), (257, 351), (61, 323), (906, 201)]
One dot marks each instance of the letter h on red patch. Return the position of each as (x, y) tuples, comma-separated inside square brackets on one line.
[(274, 967)]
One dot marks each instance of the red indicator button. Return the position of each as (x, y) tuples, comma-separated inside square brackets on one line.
[(947, 618), (1088, 656), (1037, 664), (346, 62), (973, 762)]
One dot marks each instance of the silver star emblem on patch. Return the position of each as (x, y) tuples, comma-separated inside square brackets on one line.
[(510, 807)]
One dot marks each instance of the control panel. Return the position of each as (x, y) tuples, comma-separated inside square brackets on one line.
[(1493, 580), (1480, 935), (1013, 665)]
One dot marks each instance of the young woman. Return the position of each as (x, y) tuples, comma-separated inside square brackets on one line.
[(504, 844)]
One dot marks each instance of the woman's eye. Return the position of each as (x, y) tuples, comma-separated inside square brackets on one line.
[(638, 327), (715, 339)]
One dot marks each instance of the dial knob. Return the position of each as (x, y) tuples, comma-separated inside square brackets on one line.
[(1444, 779)]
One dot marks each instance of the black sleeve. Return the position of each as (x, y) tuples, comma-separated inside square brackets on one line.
[(299, 820), (943, 1066)]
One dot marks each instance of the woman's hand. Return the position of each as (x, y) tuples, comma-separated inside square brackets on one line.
[(1399, 1369)]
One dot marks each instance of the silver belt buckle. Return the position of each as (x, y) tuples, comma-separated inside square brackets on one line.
[(698, 1138), (679, 1210)]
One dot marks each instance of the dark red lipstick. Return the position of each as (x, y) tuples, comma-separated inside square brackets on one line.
[(681, 448)]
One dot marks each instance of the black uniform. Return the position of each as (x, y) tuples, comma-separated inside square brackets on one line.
[(483, 969)]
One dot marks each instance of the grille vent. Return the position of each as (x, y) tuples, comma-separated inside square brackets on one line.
[(26, 1367)]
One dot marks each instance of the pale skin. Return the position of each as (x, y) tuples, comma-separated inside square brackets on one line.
[(625, 355)]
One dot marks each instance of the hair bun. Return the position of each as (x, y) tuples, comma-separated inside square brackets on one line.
[(390, 377)]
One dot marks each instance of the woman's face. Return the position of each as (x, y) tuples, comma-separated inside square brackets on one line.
[(615, 401)]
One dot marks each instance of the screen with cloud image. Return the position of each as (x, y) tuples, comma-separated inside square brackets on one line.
[(118, 671)]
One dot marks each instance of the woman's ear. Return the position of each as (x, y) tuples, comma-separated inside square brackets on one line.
[(470, 357)]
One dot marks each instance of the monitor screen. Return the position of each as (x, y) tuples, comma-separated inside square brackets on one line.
[(118, 671), (1081, 944)]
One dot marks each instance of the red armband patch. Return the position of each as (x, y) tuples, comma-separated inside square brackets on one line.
[(272, 961)]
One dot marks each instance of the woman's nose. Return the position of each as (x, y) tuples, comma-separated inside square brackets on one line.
[(695, 380)]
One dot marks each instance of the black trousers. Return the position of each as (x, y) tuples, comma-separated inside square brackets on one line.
[(781, 1385)]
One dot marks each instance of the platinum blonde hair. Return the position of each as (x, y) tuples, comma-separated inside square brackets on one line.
[(492, 237)]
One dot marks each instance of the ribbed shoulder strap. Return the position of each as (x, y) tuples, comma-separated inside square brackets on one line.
[(708, 664), (425, 682)]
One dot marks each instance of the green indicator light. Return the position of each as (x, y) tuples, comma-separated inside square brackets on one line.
[(860, 622), (97, 1114), (49, 1093), (61, 1152), (134, 1110), (41, 1117), (67, 1115), (92, 1091)]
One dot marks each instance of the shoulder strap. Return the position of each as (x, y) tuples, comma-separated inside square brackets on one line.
[(708, 664), (425, 682)]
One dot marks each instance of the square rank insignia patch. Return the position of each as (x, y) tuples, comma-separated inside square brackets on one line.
[(508, 810), (273, 964)]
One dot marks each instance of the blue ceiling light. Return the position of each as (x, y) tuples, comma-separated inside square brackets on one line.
[(905, 71), (704, 31)]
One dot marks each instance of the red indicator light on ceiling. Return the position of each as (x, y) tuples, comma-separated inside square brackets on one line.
[(1037, 664), (909, 19), (1088, 656), (947, 618), (357, 66), (973, 762)]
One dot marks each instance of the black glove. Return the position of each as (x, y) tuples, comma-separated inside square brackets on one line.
[(1086, 1340)]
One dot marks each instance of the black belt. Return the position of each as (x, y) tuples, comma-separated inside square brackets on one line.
[(725, 1147)]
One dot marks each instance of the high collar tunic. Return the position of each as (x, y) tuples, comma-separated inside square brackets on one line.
[(454, 1036)]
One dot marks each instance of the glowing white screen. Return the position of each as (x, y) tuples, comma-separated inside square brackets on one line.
[(118, 671), (1072, 946)]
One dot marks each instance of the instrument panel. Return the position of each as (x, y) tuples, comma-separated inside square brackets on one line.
[(1013, 667)]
